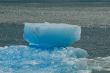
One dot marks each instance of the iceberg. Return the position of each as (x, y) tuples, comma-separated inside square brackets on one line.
[(33, 58), (51, 35), (63, 58)]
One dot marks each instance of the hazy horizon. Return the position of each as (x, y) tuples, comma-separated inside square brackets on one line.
[(53, 1)]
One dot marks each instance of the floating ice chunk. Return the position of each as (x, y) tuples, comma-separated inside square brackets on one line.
[(51, 35), (78, 52)]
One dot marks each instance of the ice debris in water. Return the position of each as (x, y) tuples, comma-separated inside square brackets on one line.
[(20, 59), (51, 35)]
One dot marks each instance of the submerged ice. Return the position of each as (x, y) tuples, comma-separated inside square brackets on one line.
[(48, 51)]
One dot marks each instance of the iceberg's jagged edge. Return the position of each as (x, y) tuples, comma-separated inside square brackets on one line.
[(20, 59)]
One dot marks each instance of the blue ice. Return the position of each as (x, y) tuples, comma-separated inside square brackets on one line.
[(33, 58), (23, 59), (51, 35)]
